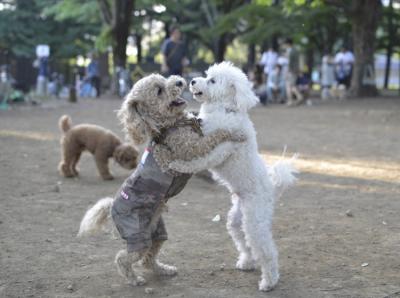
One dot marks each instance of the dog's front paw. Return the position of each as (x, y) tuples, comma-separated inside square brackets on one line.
[(266, 285), (164, 269), (245, 263)]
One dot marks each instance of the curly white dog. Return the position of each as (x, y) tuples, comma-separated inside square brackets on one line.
[(226, 96)]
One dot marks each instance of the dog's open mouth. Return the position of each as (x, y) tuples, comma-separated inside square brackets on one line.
[(177, 102)]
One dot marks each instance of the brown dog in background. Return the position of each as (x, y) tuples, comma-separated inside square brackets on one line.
[(101, 142)]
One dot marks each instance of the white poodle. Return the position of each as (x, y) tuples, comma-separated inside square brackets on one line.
[(226, 96)]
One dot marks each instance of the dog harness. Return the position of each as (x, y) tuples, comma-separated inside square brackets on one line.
[(142, 194)]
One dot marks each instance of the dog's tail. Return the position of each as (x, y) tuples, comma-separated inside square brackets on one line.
[(282, 174), (96, 217), (65, 123)]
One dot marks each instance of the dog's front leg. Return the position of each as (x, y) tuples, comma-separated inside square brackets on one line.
[(163, 156), (124, 261)]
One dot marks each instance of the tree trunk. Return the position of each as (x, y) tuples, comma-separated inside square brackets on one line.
[(365, 15), (389, 49), (121, 21), (138, 38), (221, 45), (166, 29), (117, 15), (104, 69), (310, 60), (251, 55)]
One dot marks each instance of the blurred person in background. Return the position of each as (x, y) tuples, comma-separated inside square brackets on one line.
[(303, 84), (256, 76), (174, 54), (5, 83), (268, 60), (275, 85), (327, 76), (292, 74), (344, 61), (93, 73)]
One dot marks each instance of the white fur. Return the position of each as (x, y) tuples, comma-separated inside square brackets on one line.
[(96, 217), (227, 96)]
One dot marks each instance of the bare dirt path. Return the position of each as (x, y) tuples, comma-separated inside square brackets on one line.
[(350, 158)]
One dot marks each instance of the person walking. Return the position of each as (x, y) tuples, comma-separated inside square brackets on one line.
[(292, 74), (174, 54)]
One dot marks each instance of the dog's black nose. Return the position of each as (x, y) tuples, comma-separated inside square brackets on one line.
[(179, 84), (192, 82)]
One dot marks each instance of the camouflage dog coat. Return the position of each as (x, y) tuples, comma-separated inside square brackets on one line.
[(138, 199)]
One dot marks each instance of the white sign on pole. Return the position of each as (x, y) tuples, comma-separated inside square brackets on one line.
[(42, 50)]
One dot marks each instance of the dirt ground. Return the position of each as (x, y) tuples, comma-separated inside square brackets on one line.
[(337, 231)]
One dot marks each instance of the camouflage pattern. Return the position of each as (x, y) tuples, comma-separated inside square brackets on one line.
[(138, 199)]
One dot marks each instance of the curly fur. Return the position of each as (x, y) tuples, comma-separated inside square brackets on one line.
[(96, 217), (226, 96), (151, 107), (102, 143)]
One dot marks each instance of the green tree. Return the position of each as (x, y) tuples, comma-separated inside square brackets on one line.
[(364, 16), (388, 36), (198, 19), (23, 26)]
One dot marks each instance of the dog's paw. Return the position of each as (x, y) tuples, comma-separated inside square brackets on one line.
[(164, 269), (245, 263), (107, 177), (137, 281), (266, 285)]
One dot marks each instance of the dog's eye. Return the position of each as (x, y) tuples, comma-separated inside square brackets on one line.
[(159, 91), (212, 81)]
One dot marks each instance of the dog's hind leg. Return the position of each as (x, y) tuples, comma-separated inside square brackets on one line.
[(124, 262), (74, 162), (159, 235), (234, 225), (65, 165), (151, 261), (257, 228)]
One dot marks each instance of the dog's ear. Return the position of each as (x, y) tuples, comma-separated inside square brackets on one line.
[(244, 97), (133, 123)]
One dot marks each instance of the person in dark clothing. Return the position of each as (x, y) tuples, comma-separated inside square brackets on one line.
[(93, 74), (174, 54)]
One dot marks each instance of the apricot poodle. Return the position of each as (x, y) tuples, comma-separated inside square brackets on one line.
[(101, 142)]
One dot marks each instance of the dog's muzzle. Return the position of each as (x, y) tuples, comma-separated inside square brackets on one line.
[(177, 102)]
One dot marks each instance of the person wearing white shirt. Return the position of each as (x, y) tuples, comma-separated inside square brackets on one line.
[(269, 59), (344, 61)]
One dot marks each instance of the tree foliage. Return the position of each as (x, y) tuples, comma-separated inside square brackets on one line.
[(26, 24), (74, 27)]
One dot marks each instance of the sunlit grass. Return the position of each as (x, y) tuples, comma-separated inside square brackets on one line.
[(32, 135), (360, 169)]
